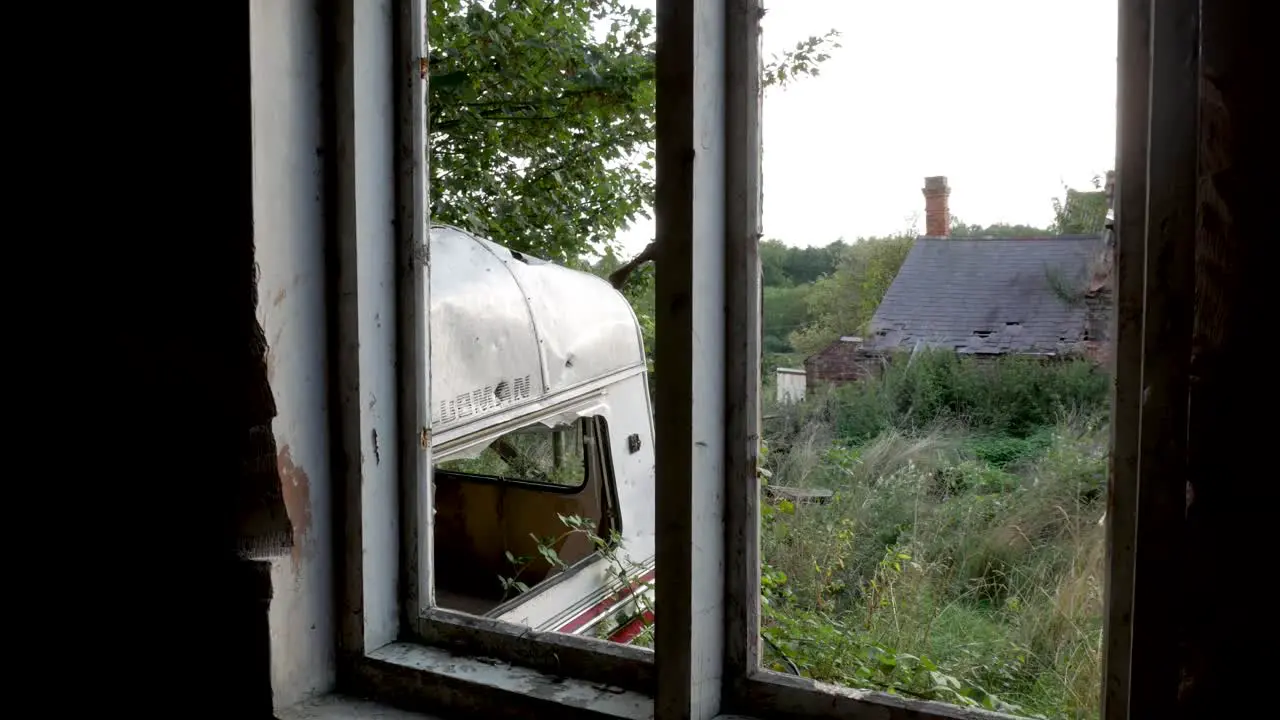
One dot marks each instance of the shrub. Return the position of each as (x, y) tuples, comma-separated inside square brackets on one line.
[(960, 557), (1012, 396)]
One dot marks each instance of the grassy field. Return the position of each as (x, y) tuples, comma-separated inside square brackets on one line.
[(961, 556)]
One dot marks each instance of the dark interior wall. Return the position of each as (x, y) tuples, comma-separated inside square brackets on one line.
[(478, 522), (1228, 533), (169, 616), (207, 161), (212, 295)]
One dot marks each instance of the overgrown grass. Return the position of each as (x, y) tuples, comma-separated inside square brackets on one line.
[(961, 555), (1013, 397)]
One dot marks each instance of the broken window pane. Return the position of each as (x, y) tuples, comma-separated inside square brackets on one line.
[(536, 453)]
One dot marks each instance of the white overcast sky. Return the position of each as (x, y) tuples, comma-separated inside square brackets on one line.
[(1007, 98)]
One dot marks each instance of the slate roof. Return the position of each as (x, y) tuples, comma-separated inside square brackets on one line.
[(988, 296)]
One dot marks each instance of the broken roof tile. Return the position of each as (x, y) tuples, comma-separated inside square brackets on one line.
[(1004, 295)]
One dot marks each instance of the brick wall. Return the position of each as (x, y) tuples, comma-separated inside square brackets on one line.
[(841, 361), (937, 212), (1098, 308)]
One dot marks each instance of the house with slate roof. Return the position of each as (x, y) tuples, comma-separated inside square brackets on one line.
[(1033, 296)]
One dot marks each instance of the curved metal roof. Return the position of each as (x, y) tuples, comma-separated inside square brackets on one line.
[(508, 329)]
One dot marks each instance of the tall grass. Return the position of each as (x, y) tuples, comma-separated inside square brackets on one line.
[(1004, 396), (960, 557)]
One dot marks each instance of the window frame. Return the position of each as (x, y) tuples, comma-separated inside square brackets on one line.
[(596, 427), (539, 485), (394, 644)]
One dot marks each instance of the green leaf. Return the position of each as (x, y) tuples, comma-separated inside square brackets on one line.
[(550, 555), (447, 80), (542, 127)]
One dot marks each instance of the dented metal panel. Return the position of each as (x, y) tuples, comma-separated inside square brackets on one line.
[(518, 341), (508, 329)]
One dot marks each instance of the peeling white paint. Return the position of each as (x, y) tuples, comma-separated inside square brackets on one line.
[(288, 217)]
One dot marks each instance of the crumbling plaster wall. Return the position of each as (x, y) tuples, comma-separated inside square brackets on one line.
[(289, 235)]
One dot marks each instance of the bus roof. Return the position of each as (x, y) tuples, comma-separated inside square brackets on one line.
[(508, 329)]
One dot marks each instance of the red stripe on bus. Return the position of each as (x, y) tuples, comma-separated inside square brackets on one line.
[(599, 608), (632, 630)]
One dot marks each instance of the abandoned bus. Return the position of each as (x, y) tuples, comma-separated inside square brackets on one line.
[(540, 420)]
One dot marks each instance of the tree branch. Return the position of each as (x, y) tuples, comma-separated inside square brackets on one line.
[(618, 278)]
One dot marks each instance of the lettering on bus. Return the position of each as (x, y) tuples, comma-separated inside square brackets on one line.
[(485, 399)]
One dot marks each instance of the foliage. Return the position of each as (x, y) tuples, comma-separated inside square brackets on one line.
[(542, 119), (1005, 396), (957, 560), (785, 266), (533, 119), (834, 648), (959, 229), (537, 453), (620, 568), (1001, 451), (789, 274), (843, 302), (1072, 291), (1080, 212), (800, 61), (786, 309)]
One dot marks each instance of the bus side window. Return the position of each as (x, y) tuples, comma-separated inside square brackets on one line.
[(535, 453)]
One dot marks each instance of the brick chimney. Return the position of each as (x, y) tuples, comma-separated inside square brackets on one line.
[(937, 215)]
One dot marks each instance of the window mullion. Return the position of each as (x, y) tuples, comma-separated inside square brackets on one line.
[(413, 284), (743, 307)]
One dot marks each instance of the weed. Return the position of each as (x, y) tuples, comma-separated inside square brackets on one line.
[(621, 569), (960, 557)]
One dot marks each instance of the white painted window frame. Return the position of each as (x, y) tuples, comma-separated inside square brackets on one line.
[(393, 643)]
